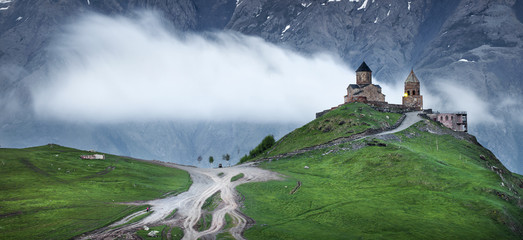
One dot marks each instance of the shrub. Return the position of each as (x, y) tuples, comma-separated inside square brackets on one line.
[(265, 144)]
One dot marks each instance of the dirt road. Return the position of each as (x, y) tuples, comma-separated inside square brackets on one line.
[(189, 204), (410, 119), (206, 182)]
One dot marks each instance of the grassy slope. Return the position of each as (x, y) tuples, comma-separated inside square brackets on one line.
[(409, 189), (49, 192), (344, 121)]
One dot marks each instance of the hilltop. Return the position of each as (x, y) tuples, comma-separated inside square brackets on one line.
[(48, 192), (347, 174), (426, 182)]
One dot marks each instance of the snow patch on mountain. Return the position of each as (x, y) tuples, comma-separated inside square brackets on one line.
[(364, 5), (465, 60), (286, 28)]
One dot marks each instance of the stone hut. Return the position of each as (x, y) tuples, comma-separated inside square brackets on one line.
[(364, 90), (412, 97)]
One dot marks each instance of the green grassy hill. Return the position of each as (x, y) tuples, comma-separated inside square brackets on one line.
[(345, 121), (48, 192), (426, 182)]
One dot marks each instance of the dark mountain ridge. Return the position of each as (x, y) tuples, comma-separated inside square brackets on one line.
[(470, 45)]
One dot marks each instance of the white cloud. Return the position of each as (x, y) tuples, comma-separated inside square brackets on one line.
[(122, 69), (117, 69), (446, 96)]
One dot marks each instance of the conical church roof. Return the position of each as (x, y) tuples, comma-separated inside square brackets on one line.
[(412, 77), (363, 68)]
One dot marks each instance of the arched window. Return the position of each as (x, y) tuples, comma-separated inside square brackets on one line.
[(452, 118), (446, 118), (408, 93), (413, 92)]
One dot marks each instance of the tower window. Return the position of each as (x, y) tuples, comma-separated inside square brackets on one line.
[(413, 92), (408, 93), (446, 118)]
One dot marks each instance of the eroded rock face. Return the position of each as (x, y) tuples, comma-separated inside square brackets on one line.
[(455, 47)]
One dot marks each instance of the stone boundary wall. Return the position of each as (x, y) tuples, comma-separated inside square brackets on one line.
[(336, 141), (393, 108), (378, 106)]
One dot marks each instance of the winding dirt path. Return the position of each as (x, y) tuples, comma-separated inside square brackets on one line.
[(410, 119), (189, 204)]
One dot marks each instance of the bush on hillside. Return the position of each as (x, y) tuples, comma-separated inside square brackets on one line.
[(265, 144)]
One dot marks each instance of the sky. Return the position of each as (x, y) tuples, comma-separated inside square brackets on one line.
[(119, 69)]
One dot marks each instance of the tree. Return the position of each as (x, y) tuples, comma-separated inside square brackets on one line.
[(211, 160), (226, 157), (266, 144)]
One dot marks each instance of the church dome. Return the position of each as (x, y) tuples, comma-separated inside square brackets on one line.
[(363, 68)]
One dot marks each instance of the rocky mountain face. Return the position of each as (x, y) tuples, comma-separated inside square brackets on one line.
[(453, 46), (462, 51), (27, 28)]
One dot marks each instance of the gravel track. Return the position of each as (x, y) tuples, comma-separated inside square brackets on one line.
[(189, 204)]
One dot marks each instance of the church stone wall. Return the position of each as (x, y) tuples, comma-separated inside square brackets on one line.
[(412, 88), (363, 78), (374, 94), (415, 102)]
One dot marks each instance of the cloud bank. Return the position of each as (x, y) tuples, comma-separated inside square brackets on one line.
[(120, 69)]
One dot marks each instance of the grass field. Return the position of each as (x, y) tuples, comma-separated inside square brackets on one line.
[(419, 186), (176, 233), (344, 121), (237, 177), (48, 192)]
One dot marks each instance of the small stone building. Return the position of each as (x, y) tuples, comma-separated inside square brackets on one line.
[(364, 90), (454, 121), (412, 97)]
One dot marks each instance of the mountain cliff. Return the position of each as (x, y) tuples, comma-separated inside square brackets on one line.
[(466, 53)]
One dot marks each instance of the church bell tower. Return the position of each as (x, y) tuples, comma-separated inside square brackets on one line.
[(412, 97)]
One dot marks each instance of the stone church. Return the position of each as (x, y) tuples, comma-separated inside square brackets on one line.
[(364, 90)]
